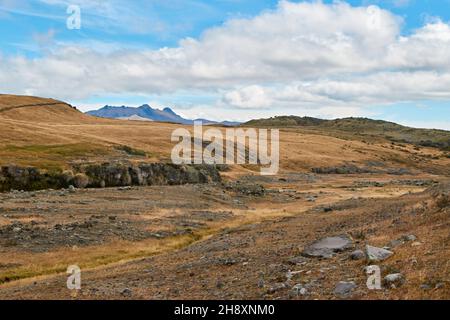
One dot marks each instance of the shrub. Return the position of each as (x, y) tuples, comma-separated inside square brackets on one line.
[(443, 201), (131, 151), (81, 180)]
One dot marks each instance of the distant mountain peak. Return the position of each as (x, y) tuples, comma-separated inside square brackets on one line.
[(168, 110), (148, 113)]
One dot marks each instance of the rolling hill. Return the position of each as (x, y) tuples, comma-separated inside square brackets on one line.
[(51, 134), (363, 127)]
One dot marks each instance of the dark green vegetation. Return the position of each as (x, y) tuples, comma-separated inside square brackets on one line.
[(132, 151), (365, 128)]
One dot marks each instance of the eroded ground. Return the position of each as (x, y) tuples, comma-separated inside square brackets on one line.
[(239, 239)]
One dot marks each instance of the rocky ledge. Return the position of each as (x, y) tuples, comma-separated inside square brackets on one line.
[(106, 175)]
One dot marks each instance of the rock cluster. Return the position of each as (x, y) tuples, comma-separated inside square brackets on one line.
[(106, 175)]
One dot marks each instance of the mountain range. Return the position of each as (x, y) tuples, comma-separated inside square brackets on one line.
[(147, 113)]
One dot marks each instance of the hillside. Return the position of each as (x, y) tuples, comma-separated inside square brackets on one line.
[(52, 134), (363, 127), (27, 108)]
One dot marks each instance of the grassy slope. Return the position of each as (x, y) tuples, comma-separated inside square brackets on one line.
[(365, 128)]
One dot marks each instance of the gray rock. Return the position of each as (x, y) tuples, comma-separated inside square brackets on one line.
[(71, 189), (297, 260), (326, 247), (299, 290), (395, 243), (394, 280), (276, 287), (261, 283), (439, 285), (357, 255), (375, 254), (425, 286), (409, 237), (126, 292), (344, 289)]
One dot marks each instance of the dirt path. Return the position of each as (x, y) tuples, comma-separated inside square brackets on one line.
[(9, 108)]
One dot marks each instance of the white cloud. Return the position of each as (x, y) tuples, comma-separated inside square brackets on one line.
[(251, 97), (301, 55)]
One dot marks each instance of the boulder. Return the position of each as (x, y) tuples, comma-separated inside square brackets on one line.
[(344, 289), (375, 254), (357, 255), (394, 280), (327, 247)]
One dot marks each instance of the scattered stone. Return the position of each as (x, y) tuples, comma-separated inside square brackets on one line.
[(416, 244), (375, 254), (219, 284), (299, 290), (17, 229), (297, 260), (395, 243), (290, 274), (276, 287), (394, 280), (126, 292), (229, 262), (425, 286), (357, 255), (409, 237), (71, 189), (326, 247), (439, 285), (344, 289), (260, 283)]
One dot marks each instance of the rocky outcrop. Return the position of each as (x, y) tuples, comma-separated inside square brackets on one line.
[(106, 175), (327, 247)]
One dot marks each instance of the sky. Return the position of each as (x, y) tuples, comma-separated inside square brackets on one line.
[(235, 59)]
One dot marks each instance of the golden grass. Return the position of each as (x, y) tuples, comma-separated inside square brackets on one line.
[(92, 257), (52, 135), (42, 264)]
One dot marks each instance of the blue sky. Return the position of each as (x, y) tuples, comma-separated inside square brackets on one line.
[(236, 59)]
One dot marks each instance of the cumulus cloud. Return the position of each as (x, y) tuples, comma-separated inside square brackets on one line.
[(248, 97), (308, 54)]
